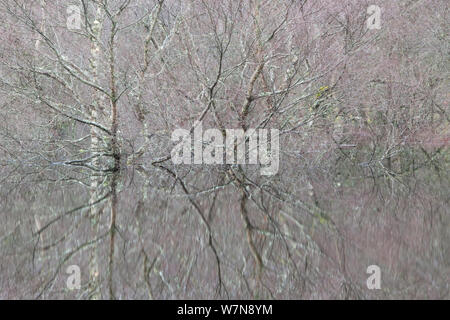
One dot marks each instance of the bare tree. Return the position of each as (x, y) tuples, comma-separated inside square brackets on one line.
[(87, 176)]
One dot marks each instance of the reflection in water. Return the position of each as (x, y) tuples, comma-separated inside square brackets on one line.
[(156, 236)]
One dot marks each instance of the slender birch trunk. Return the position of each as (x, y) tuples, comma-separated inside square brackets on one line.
[(95, 210)]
